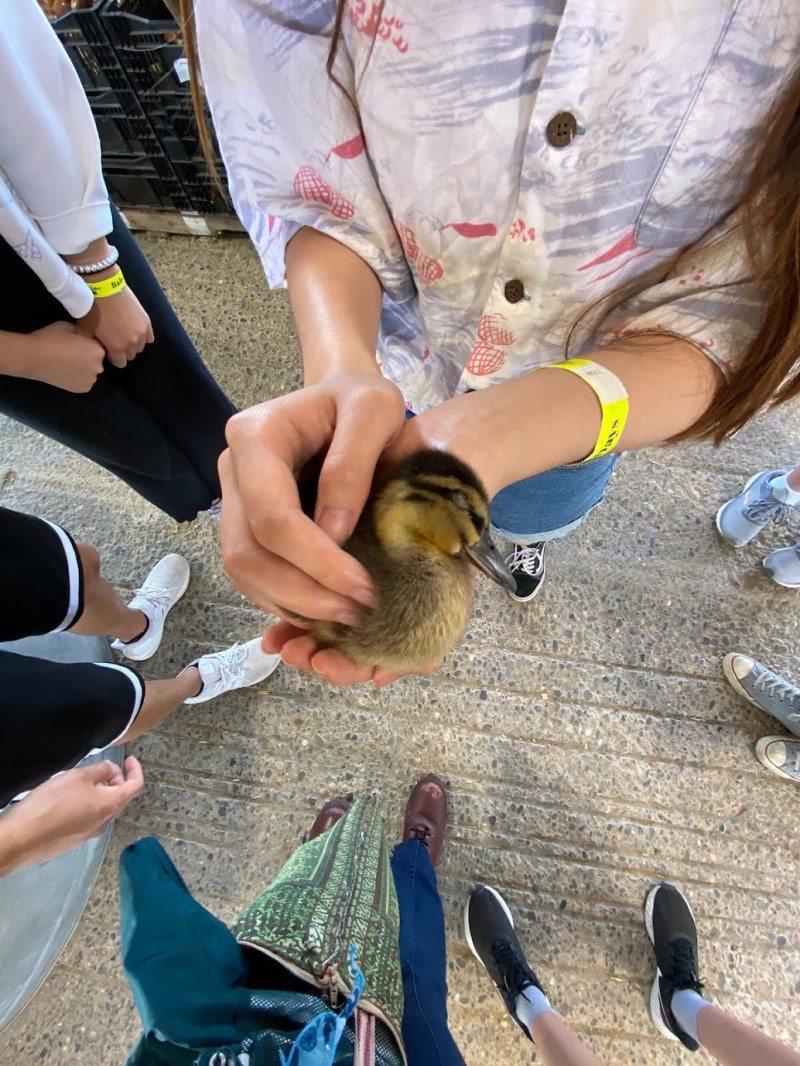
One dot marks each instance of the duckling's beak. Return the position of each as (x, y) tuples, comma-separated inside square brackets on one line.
[(488, 560)]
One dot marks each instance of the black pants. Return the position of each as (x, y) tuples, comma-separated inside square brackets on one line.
[(159, 423)]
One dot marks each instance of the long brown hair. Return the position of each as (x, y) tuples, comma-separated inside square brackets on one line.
[(769, 374), (769, 221)]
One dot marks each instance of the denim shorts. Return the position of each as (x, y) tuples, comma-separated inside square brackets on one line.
[(551, 504)]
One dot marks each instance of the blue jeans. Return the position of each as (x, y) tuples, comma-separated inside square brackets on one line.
[(551, 504), (426, 1036)]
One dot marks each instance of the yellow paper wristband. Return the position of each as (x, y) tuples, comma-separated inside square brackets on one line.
[(613, 397), (99, 289)]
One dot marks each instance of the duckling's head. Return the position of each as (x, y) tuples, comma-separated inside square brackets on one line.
[(434, 502)]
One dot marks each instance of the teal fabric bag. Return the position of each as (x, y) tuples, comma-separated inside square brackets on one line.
[(188, 975)]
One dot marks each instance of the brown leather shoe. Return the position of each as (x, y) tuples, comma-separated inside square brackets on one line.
[(328, 816), (426, 815)]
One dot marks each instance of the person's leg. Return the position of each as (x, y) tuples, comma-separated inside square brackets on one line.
[(423, 960), (104, 611), (489, 929), (161, 699), (735, 1043), (550, 505), (558, 1045), (677, 1008)]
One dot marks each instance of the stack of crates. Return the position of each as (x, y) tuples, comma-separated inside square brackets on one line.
[(125, 53)]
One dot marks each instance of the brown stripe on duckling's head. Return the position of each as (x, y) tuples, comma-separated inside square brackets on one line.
[(435, 503)]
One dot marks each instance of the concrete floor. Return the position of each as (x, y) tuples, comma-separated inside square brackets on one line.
[(590, 740)]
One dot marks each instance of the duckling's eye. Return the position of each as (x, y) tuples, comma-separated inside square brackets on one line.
[(460, 500)]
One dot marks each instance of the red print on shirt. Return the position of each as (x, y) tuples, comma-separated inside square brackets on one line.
[(347, 149), (428, 268), (486, 357), (381, 27), (310, 186)]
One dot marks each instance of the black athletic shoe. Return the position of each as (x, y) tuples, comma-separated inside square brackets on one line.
[(492, 940), (526, 563), (673, 934)]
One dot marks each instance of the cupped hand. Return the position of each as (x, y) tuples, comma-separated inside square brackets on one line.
[(120, 324), (62, 356), (300, 650), (286, 562), (67, 810)]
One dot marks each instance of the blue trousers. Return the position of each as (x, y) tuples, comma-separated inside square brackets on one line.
[(426, 1036)]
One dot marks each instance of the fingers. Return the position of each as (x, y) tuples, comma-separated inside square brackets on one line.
[(347, 472), (337, 669), (277, 635), (134, 780), (105, 772), (270, 578), (117, 357), (382, 678)]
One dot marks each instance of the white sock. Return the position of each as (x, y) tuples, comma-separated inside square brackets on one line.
[(686, 1005), (782, 490), (531, 1002)]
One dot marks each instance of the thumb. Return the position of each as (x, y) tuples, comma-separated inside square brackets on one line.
[(347, 472)]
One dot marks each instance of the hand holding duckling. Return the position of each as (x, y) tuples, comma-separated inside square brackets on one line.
[(289, 563), (419, 536)]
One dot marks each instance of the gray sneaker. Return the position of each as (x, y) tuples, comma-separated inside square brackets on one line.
[(781, 756), (784, 567), (767, 690), (743, 517)]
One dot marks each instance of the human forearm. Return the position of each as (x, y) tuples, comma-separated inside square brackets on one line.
[(336, 300), (548, 418), (14, 353)]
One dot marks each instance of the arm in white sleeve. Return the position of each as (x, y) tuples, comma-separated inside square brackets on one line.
[(49, 149)]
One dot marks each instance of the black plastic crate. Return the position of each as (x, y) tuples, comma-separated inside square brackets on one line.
[(137, 182), (83, 36), (124, 52)]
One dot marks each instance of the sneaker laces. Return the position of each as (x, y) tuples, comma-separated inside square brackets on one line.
[(516, 977), (527, 558), (228, 665), (766, 509), (157, 595), (778, 688), (682, 971)]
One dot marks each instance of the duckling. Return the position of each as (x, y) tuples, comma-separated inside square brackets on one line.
[(418, 537)]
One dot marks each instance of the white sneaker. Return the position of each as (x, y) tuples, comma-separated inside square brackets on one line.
[(162, 588), (236, 667)]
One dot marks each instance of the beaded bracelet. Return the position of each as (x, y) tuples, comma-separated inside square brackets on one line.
[(96, 268)]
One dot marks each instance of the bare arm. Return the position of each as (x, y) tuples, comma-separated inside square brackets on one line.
[(549, 418)]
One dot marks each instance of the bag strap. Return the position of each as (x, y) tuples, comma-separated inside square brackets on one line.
[(365, 1039)]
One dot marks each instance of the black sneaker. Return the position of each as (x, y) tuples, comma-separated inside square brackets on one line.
[(673, 934), (492, 940), (526, 563)]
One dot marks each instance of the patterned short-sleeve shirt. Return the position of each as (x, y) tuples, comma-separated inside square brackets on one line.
[(515, 163)]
